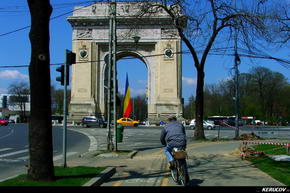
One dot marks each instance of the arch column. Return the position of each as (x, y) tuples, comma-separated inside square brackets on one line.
[(83, 96)]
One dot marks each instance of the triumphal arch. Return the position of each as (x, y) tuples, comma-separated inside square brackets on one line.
[(158, 48)]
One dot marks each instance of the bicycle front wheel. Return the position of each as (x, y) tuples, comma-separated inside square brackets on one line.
[(174, 174)]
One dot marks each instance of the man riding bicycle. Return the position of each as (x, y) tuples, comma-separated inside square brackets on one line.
[(173, 136)]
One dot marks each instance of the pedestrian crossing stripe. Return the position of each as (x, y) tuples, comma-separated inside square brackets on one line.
[(13, 153), (5, 149), (55, 158), (3, 157)]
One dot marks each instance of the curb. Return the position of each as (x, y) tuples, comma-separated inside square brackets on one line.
[(100, 178), (132, 154)]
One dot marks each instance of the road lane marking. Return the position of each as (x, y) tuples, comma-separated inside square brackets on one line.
[(5, 149), (165, 181), (55, 158), (13, 153), (58, 157), (26, 157), (93, 140), (120, 182), (23, 158), (10, 133), (10, 160)]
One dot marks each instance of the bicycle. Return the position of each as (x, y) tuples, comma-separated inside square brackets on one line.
[(178, 172)]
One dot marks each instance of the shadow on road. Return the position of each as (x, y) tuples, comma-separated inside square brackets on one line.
[(194, 182)]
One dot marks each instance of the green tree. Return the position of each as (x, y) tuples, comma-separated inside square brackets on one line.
[(140, 107), (268, 86), (264, 94), (189, 109), (57, 100)]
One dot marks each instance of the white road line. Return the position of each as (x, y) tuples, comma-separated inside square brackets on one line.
[(10, 133), (13, 153), (93, 141), (5, 149), (58, 157), (23, 158), (55, 158)]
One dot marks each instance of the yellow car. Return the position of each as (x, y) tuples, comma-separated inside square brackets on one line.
[(128, 122)]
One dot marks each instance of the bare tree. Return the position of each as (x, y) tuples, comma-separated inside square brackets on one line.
[(40, 130), (211, 27), (20, 93), (278, 31)]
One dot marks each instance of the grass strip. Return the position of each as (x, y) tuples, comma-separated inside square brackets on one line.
[(271, 149), (69, 176), (279, 170)]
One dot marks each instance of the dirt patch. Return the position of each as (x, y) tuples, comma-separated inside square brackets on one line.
[(248, 136)]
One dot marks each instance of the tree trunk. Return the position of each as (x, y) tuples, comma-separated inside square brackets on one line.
[(40, 130), (199, 131)]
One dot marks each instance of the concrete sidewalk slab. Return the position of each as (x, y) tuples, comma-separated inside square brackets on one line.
[(102, 177), (209, 163)]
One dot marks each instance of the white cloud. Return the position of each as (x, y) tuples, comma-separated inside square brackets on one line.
[(136, 92), (142, 82), (189, 81), (3, 90), (13, 75), (141, 91), (226, 79)]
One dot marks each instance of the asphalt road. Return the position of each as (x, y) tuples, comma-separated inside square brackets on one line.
[(144, 137), (14, 142), (14, 147)]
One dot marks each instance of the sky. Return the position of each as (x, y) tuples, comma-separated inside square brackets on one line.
[(15, 51)]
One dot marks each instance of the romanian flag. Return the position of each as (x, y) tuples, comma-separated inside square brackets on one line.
[(127, 100)]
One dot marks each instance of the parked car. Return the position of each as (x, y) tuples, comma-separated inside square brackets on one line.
[(206, 124), (128, 122), (3, 122), (57, 118), (92, 121)]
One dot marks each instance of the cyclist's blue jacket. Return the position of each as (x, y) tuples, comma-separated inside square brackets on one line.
[(173, 134)]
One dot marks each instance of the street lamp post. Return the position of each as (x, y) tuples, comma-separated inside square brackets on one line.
[(111, 105)]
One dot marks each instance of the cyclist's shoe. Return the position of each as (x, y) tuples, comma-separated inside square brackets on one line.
[(171, 165)]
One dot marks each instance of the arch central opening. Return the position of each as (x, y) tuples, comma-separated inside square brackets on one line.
[(131, 65)]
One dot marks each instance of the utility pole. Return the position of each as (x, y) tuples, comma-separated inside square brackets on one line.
[(114, 65), (111, 105), (237, 93), (64, 136)]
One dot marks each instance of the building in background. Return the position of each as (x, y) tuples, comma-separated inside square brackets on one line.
[(15, 107)]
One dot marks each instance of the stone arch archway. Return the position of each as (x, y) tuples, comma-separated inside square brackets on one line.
[(157, 47), (120, 55)]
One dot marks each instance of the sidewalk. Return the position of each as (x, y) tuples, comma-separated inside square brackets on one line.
[(209, 164)]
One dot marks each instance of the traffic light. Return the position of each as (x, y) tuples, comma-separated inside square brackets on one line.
[(67, 75), (70, 57), (64, 70), (61, 77)]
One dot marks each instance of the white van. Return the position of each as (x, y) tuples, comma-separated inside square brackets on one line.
[(206, 124)]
